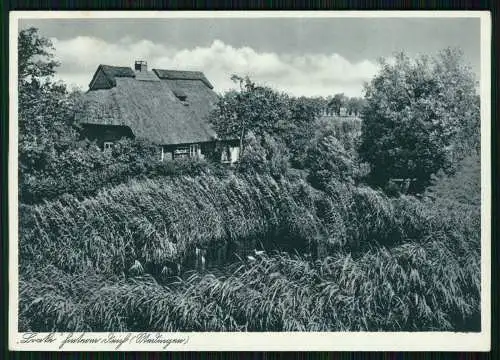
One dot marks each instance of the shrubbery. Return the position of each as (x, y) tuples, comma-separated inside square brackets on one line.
[(332, 154), (82, 169), (382, 263), (161, 221), (265, 155)]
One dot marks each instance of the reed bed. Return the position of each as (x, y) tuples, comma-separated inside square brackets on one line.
[(367, 262), (160, 222), (424, 287)]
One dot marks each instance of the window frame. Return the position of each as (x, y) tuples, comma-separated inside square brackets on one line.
[(107, 145), (194, 150), (181, 155)]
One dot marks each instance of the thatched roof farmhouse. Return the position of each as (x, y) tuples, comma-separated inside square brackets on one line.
[(167, 107)]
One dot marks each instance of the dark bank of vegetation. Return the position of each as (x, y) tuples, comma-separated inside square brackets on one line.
[(307, 233)]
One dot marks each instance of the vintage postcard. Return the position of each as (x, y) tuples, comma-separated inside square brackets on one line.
[(250, 181)]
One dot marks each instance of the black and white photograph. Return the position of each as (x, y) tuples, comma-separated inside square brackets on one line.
[(290, 181)]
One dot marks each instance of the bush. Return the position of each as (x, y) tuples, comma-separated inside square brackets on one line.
[(82, 169), (369, 262), (160, 222), (265, 155), (460, 189), (332, 154)]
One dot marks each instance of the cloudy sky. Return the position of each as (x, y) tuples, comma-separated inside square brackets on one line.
[(302, 56)]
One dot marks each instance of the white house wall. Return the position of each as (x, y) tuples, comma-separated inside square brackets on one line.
[(234, 152)]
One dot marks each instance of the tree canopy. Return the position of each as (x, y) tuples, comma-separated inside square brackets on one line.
[(262, 111), (45, 106), (420, 116), (35, 58)]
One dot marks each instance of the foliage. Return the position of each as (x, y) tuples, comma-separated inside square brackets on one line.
[(354, 106), (369, 262), (44, 106), (45, 110), (459, 193), (413, 287), (161, 221), (299, 130), (52, 159), (109, 239), (333, 153), (82, 169), (35, 58), (418, 269), (265, 155), (258, 112), (338, 101), (417, 114), (254, 108), (329, 160), (157, 221)]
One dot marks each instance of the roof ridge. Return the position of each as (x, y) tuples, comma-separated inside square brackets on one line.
[(179, 71), (115, 66), (182, 75)]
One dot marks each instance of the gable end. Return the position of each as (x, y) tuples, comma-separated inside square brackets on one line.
[(100, 81), (104, 77)]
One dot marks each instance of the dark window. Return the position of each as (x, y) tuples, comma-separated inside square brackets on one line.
[(181, 152), (180, 94)]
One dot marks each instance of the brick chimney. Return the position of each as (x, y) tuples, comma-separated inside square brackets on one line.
[(141, 65)]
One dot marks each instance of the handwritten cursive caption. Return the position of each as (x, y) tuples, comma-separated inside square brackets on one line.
[(115, 339)]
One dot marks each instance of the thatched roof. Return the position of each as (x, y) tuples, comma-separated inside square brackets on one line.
[(182, 75), (112, 72), (171, 109)]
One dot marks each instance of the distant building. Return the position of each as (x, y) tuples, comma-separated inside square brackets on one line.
[(331, 111), (334, 109), (166, 107)]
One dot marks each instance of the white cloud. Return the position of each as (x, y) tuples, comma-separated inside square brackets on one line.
[(310, 74)]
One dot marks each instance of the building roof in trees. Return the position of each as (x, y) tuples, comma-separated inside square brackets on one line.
[(162, 106)]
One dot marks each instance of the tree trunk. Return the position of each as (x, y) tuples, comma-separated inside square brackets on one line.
[(242, 136)]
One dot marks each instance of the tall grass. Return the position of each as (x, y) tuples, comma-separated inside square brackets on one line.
[(411, 287), (159, 223), (368, 262)]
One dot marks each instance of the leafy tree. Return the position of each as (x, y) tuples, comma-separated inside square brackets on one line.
[(265, 154), (462, 188), (354, 106), (337, 102), (253, 108), (299, 129), (45, 109), (417, 116), (36, 62), (265, 113), (48, 141), (52, 159), (333, 153)]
